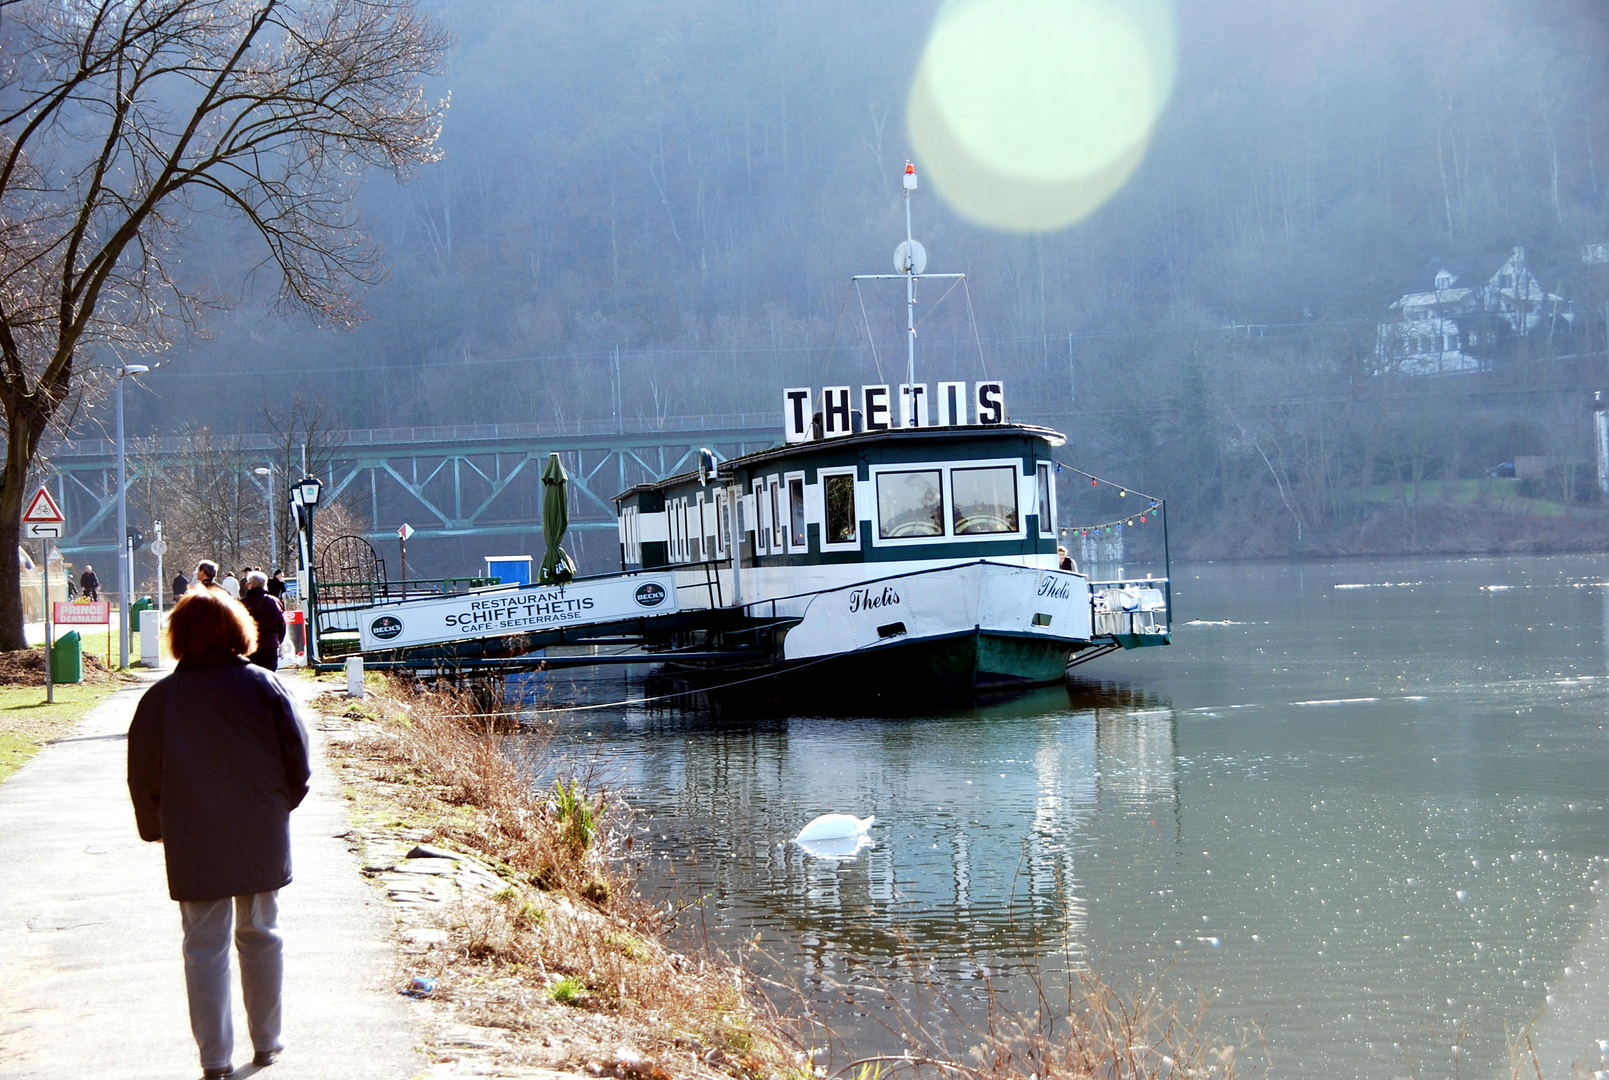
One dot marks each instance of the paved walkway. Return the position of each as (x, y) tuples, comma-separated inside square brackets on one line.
[(91, 979)]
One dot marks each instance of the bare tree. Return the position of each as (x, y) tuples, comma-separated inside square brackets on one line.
[(121, 122), (212, 508), (305, 444)]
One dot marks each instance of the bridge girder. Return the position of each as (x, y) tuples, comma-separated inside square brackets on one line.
[(443, 486)]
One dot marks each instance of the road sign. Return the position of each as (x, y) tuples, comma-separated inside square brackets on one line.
[(405, 531), (42, 530), (44, 510), (159, 547)]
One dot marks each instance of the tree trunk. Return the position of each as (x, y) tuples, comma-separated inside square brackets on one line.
[(20, 443), (27, 413)]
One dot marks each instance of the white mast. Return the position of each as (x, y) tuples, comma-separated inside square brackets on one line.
[(910, 281), (910, 259)]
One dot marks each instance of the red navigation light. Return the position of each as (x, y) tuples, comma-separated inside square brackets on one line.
[(910, 169)]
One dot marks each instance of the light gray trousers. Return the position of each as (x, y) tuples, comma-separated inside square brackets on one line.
[(206, 971)]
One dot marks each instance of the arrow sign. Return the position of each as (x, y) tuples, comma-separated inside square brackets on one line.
[(43, 510), (405, 531)]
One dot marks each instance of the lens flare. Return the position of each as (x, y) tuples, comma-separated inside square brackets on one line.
[(1028, 114)]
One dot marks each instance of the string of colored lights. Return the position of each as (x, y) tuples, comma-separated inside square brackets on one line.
[(1152, 508)]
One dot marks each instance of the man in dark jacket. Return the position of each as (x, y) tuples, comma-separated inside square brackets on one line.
[(269, 615), (217, 760), (89, 584), (276, 586), (180, 584)]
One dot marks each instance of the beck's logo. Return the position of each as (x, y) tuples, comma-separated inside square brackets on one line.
[(386, 627), (649, 595)]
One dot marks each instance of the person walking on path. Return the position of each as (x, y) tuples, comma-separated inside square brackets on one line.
[(207, 573), (276, 586), (269, 615), (217, 760), (231, 584), (89, 584), (181, 584)]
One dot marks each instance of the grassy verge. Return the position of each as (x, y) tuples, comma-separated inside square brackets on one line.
[(27, 723), (562, 958)]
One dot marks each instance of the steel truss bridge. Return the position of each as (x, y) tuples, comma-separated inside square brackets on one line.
[(480, 480)]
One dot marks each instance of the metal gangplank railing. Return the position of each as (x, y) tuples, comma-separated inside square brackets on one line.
[(1131, 613)]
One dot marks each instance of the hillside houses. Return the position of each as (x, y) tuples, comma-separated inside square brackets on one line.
[(1447, 326)]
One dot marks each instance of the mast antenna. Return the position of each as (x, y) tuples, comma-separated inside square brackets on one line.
[(910, 270)]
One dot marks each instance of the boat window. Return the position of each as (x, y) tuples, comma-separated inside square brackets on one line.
[(694, 509), (910, 504), (796, 512), (776, 517), (706, 519), (762, 520), (843, 527), (723, 523), (1047, 504), (985, 500)]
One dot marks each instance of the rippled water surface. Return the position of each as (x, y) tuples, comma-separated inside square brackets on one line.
[(1360, 803)]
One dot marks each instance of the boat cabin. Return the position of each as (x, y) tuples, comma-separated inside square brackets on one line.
[(904, 495)]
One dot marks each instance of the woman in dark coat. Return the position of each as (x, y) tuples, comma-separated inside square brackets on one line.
[(217, 760), (269, 615)]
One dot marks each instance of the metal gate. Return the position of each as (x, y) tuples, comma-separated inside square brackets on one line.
[(348, 575)]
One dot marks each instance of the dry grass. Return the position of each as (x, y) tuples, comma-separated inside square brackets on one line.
[(568, 942), (1083, 1028)]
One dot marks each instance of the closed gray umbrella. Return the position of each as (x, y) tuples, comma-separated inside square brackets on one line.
[(557, 566)]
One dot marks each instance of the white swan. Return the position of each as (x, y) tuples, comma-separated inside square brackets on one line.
[(834, 827)]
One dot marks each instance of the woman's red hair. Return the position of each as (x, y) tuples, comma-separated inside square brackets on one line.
[(210, 620)]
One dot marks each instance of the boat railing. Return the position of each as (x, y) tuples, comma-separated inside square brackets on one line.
[(1131, 607)]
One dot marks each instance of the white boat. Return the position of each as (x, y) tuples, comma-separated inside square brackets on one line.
[(901, 539)]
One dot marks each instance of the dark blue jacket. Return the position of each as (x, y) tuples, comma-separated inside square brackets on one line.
[(217, 760)]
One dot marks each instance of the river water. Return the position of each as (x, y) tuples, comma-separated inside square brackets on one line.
[(1362, 804)]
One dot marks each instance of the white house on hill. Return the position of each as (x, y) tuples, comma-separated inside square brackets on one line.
[(1446, 327)]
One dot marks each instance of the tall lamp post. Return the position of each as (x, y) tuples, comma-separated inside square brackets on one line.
[(124, 586), (304, 496), (268, 494)]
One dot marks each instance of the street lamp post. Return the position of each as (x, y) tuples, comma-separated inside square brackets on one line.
[(304, 496), (268, 493), (123, 584)]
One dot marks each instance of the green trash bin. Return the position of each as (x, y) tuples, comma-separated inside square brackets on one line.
[(67, 658)]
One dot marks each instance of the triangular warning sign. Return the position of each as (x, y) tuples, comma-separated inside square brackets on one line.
[(43, 509)]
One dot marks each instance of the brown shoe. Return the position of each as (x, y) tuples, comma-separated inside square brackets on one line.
[(264, 1058)]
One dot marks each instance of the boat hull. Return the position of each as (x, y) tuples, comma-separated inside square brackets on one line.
[(974, 662), (974, 627)]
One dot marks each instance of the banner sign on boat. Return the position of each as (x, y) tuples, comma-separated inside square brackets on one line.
[(516, 611), (841, 411)]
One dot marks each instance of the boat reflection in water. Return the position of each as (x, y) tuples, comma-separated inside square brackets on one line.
[(975, 868)]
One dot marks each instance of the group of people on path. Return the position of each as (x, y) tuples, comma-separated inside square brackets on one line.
[(89, 583), (217, 760)]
